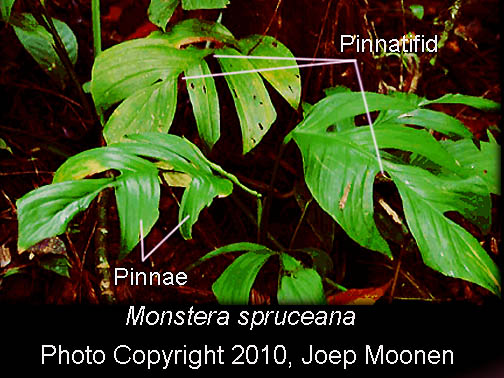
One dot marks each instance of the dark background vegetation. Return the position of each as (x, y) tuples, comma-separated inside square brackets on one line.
[(44, 124)]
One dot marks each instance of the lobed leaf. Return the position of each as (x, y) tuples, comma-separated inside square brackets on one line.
[(340, 168), (287, 81), (252, 101), (445, 246), (137, 197), (128, 67), (205, 103), (484, 162)]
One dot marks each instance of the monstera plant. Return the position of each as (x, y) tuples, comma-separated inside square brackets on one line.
[(135, 87)]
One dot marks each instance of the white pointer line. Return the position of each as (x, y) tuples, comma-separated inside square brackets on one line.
[(259, 70), (145, 257), (322, 62)]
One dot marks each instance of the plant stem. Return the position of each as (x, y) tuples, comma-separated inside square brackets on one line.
[(253, 220), (101, 260), (95, 15), (228, 175), (42, 16), (448, 26), (299, 223), (264, 221)]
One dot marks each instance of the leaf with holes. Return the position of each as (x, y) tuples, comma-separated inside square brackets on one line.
[(205, 103), (287, 81), (125, 69), (149, 109), (252, 101)]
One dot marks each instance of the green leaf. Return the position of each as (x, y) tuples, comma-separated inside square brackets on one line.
[(476, 102), (137, 188), (184, 157), (234, 284), (194, 30), (5, 9), (444, 245), (149, 109), (204, 4), (343, 105), (99, 160), (299, 285), (131, 66), (340, 168), (417, 10), (199, 195), (137, 197), (56, 263), (39, 43), (235, 247), (252, 101), (4, 146), (340, 176), (429, 119), (46, 211), (160, 11), (12, 271), (205, 103), (484, 163), (287, 82)]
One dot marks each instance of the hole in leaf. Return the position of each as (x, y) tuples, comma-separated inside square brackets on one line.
[(204, 89), (331, 129), (261, 103), (254, 97), (234, 93), (192, 85), (253, 140), (297, 75), (290, 88), (274, 44), (261, 126)]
